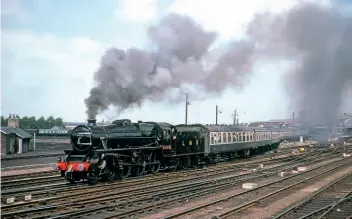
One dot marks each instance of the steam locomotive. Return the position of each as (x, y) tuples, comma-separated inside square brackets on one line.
[(125, 148)]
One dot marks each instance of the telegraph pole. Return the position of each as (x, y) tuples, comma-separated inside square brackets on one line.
[(293, 128), (216, 115), (186, 114), (234, 117)]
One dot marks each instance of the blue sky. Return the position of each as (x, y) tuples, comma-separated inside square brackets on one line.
[(50, 50)]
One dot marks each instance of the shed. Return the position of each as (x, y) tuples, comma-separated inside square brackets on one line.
[(14, 140)]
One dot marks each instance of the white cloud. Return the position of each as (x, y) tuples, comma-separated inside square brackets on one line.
[(229, 17), (137, 10), (45, 74)]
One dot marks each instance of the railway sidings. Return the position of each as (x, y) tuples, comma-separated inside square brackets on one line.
[(165, 195)]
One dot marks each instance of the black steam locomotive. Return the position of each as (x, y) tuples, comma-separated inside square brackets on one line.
[(125, 148)]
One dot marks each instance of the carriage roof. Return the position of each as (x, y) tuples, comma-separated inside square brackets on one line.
[(217, 128)]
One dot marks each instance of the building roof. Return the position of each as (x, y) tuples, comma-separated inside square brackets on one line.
[(74, 123), (265, 123), (19, 132)]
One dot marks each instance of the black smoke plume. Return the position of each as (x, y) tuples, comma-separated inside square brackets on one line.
[(316, 40)]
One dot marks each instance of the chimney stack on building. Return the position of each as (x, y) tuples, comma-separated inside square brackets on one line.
[(13, 121)]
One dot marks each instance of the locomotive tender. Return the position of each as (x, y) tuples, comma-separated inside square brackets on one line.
[(125, 148)]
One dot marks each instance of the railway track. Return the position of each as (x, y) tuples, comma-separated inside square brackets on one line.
[(138, 196), (52, 182), (332, 201), (244, 199), (6, 180), (27, 176), (54, 172), (47, 190), (49, 178), (26, 182)]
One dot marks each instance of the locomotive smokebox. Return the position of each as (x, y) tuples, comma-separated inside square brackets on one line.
[(92, 122)]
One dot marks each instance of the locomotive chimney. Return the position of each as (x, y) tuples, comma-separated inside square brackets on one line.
[(92, 122)]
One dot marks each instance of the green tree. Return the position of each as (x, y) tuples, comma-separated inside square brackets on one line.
[(32, 123), (59, 122), (41, 123), (27, 122), (24, 123), (50, 122), (3, 121)]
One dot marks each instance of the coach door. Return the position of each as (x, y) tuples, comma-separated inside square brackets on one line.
[(205, 138)]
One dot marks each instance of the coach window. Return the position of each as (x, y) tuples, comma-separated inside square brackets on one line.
[(219, 137), (229, 137), (224, 137), (234, 137), (212, 138)]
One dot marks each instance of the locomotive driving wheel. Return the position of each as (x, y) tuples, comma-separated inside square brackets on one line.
[(110, 174), (139, 170), (153, 168), (93, 176), (124, 172)]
